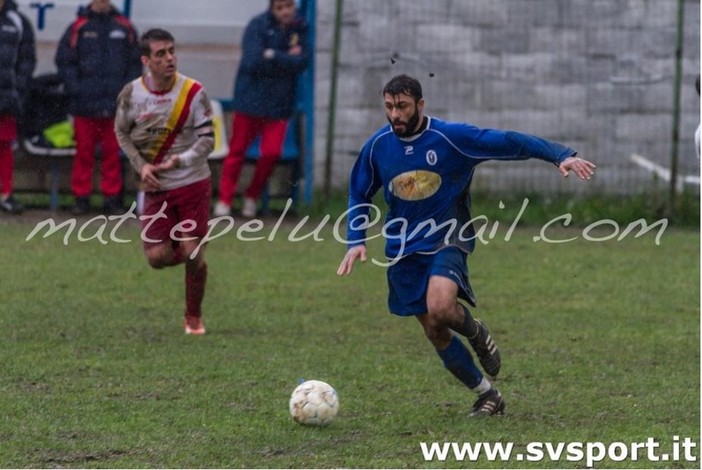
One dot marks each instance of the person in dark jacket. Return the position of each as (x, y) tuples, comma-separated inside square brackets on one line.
[(274, 55), (17, 62), (97, 55)]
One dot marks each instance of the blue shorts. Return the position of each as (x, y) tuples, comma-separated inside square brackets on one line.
[(408, 279)]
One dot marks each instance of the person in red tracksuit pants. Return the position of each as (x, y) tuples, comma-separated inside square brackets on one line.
[(273, 57), (97, 55), (17, 62)]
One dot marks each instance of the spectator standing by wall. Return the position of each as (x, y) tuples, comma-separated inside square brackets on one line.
[(97, 55), (274, 55), (17, 62)]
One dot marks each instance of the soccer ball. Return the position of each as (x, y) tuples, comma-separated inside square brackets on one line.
[(314, 403)]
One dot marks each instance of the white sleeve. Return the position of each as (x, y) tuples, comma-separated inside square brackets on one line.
[(204, 130)]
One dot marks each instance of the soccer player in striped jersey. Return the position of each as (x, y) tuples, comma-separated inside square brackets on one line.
[(164, 125), (425, 166)]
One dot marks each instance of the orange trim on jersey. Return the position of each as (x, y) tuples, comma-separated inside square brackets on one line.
[(176, 121)]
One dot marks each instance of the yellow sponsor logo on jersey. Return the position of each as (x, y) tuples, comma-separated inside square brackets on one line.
[(415, 185)]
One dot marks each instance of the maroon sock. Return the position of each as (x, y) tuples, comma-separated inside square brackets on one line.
[(178, 256), (195, 290)]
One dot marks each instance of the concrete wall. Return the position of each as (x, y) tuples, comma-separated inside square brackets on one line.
[(594, 74)]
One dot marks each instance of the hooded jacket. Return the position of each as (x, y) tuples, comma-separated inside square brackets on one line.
[(17, 58), (97, 55)]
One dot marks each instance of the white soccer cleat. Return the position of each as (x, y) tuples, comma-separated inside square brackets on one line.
[(221, 209), (193, 325), (249, 208)]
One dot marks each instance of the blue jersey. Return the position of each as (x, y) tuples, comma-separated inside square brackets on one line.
[(426, 180)]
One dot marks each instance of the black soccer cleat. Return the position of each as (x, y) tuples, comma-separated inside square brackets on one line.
[(488, 404), (486, 349), (10, 204), (113, 206), (82, 206)]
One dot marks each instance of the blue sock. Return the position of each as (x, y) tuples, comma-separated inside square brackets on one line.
[(459, 362)]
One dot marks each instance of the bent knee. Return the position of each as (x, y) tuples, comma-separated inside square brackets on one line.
[(435, 329), (156, 263), (158, 257), (441, 309)]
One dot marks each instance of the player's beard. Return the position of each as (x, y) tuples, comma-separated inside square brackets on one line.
[(410, 125)]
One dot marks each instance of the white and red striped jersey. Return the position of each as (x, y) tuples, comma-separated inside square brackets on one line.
[(150, 125)]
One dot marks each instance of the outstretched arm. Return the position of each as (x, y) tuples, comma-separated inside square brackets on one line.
[(582, 168)]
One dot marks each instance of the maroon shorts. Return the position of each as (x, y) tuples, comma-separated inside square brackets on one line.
[(8, 128), (187, 207)]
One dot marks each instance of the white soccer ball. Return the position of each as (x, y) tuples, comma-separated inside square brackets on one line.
[(314, 403)]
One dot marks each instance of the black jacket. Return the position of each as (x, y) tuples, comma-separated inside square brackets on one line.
[(97, 55), (17, 58)]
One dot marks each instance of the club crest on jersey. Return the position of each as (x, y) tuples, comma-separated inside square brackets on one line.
[(432, 158), (415, 185)]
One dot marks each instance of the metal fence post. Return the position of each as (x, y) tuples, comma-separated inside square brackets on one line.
[(672, 200)]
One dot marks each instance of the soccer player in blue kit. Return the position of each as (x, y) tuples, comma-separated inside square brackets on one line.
[(425, 166)]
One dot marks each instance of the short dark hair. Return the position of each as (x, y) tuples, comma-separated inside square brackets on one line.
[(153, 35), (272, 2), (404, 84)]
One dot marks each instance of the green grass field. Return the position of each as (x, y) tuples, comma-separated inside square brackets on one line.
[(600, 342)]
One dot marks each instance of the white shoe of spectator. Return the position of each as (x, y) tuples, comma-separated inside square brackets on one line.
[(249, 208), (221, 209)]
